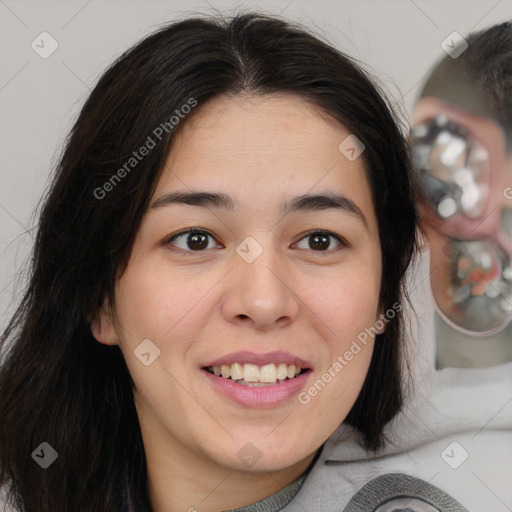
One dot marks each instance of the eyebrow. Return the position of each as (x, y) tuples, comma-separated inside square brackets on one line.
[(305, 203)]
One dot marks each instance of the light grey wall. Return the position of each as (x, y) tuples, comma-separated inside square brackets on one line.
[(399, 40)]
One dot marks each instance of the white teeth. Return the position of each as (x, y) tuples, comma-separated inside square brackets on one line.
[(268, 373), (281, 371), (251, 374), (237, 371)]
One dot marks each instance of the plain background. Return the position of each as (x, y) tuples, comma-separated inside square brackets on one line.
[(397, 40)]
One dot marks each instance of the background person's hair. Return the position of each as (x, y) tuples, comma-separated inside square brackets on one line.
[(57, 383), (480, 79)]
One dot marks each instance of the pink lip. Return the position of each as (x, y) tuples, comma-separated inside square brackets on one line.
[(260, 359), (264, 396)]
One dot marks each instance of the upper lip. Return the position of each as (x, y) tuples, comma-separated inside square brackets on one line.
[(260, 359)]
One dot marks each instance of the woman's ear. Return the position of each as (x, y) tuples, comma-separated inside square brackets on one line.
[(102, 325), (380, 322)]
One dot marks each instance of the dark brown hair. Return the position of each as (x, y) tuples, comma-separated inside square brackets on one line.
[(57, 384)]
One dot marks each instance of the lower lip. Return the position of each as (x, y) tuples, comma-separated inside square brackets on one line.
[(260, 396)]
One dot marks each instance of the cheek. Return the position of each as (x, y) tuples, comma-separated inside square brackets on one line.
[(348, 304), (349, 308), (165, 308), (154, 304)]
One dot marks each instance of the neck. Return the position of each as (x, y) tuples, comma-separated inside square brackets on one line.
[(173, 488), (183, 480)]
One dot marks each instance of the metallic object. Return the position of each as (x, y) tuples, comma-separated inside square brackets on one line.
[(479, 288), (454, 168), (473, 287)]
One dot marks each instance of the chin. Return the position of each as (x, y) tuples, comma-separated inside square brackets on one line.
[(256, 454), (266, 465)]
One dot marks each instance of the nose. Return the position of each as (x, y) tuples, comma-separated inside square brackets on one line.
[(261, 293)]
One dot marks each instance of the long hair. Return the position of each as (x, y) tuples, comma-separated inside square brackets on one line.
[(57, 384)]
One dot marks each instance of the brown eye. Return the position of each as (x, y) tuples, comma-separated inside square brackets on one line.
[(197, 241), (321, 241), (192, 240)]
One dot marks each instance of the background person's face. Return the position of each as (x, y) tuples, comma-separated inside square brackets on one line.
[(201, 300)]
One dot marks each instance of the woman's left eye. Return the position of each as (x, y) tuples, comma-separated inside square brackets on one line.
[(197, 240), (320, 241)]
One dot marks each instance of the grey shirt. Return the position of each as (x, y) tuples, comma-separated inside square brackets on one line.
[(276, 501)]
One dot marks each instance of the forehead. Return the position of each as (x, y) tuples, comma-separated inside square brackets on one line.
[(247, 126), (264, 146)]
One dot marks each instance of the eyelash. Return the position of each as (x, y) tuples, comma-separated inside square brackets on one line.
[(341, 240)]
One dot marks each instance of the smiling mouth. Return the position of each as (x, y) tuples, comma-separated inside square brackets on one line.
[(256, 376)]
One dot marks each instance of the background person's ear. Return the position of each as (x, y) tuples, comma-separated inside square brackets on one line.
[(102, 325)]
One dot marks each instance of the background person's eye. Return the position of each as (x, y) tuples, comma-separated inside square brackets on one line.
[(320, 241), (192, 240)]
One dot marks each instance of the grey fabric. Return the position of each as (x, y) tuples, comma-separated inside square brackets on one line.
[(406, 505), (383, 489), (277, 501)]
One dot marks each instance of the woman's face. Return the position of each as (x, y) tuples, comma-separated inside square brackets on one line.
[(254, 287)]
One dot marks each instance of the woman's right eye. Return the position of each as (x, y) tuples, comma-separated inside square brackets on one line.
[(192, 240)]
